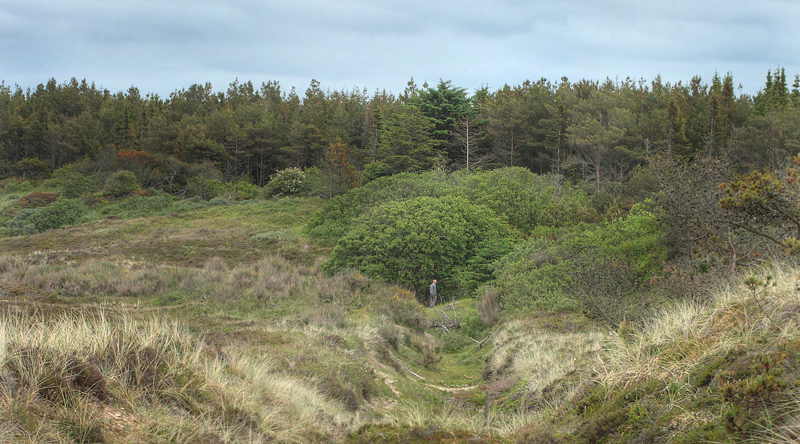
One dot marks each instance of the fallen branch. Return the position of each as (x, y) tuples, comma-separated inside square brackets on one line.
[(409, 370), (442, 326), (480, 343)]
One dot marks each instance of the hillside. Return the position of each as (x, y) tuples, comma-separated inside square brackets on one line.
[(214, 322)]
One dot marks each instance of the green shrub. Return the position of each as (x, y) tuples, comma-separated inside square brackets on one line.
[(19, 225), (244, 189), (637, 238), (121, 183), (139, 206), (56, 215), (373, 171), (524, 198), (16, 185), (73, 182), (535, 277), (205, 188), (339, 212), (589, 264), (32, 168), (289, 182), (413, 242)]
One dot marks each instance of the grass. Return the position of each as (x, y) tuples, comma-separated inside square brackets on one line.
[(64, 375), (694, 373), (214, 323)]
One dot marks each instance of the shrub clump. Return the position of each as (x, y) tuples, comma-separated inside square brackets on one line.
[(121, 183), (289, 182), (56, 215), (413, 242)]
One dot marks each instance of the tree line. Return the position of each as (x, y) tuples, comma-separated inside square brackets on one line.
[(590, 131)]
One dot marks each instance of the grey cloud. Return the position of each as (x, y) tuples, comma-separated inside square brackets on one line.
[(169, 44)]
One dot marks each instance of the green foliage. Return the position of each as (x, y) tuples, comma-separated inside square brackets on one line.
[(374, 170), (19, 225), (289, 182), (339, 213), (526, 200), (121, 183), (244, 189), (767, 205), (140, 206), (544, 274), (56, 215), (32, 168), (73, 182), (535, 276), (205, 188), (637, 238), (407, 143), (415, 241), (16, 185)]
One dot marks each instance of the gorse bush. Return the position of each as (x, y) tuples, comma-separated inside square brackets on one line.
[(413, 242)]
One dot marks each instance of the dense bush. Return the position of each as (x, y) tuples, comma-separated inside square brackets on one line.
[(205, 188), (415, 241), (637, 238), (535, 276), (244, 189), (339, 212), (121, 183), (31, 168), (527, 200), (56, 215), (19, 225), (587, 265), (73, 182), (289, 182)]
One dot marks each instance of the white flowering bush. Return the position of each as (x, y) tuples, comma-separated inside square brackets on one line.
[(289, 182)]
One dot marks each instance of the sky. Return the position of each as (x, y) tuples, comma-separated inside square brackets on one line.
[(160, 46)]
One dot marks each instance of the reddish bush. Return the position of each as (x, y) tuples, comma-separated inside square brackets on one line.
[(37, 199)]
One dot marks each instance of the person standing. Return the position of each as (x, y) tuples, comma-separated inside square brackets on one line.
[(433, 293)]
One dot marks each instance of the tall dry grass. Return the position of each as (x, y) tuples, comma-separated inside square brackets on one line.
[(672, 344), (537, 365), (108, 377), (267, 283)]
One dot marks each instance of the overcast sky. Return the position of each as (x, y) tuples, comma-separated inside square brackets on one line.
[(161, 46)]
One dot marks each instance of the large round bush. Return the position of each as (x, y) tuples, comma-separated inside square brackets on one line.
[(415, 241), (121, 183)]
